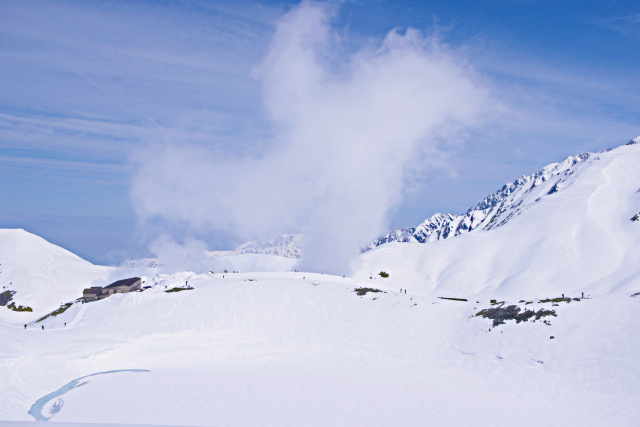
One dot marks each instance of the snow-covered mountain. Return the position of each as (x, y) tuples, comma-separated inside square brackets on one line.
[(140, 263), (498, 208), (298, 348), (275, 245), (436, 227), (40, 275), (568, 228), (283, 245)]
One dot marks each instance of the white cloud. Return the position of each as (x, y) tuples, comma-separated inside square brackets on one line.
[(346, 130)]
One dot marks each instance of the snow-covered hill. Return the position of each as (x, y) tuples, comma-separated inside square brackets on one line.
[(41, 275), (498, 208), (566, 229)]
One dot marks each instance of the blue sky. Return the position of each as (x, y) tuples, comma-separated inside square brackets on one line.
[(87, 87)]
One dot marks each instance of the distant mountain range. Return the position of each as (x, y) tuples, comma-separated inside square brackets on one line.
[(496, 209), (284, 245)]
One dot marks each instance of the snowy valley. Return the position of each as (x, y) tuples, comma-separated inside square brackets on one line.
[(522, 310)]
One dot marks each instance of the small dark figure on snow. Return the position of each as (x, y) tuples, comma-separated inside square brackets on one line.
[(405, 291), (583, 295), (562, 295), (25, 326), (43, 327)]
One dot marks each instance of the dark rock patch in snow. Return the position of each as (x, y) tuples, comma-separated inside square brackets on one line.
[(187, 288), (559, 299), (512, 312), (554, 189), (363, 291), (6, 296)]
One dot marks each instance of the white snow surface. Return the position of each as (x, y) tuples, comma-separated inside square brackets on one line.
[(289, 348), (277, 349)]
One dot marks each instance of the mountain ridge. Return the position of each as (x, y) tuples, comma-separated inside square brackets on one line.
[(579, 233), (496, 209)]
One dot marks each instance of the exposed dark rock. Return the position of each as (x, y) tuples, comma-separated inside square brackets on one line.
[(512, 312), (6, 296)]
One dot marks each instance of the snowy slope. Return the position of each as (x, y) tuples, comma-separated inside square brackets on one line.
[(568, 229), (41, 274), (496, 209)]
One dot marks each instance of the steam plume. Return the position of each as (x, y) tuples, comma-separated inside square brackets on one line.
[(346, 130)]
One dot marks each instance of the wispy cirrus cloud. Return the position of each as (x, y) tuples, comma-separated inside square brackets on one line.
[(132, 63), (625, 24), (87, 83)]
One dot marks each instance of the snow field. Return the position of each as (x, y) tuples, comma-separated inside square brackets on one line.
[(278, 350)]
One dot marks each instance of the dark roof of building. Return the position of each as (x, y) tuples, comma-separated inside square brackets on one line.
[(124, 282)]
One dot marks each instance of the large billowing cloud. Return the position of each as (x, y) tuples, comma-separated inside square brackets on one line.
[(347, 131)]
